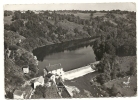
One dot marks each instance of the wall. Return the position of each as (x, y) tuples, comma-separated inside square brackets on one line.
[(69, 75)]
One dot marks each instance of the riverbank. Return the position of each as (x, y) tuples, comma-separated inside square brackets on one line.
[(83, 84), (47, 50)]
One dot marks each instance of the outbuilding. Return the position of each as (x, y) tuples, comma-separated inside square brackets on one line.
[(55, 69), (38, 81), (18, 94), (25, 69)]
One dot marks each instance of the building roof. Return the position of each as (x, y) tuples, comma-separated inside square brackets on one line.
[(40, 79), (18, 92), (26, 70), (53, 67), (49, 75), (25, 66)]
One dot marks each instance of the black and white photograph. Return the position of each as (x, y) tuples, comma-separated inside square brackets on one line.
[(70, 50)]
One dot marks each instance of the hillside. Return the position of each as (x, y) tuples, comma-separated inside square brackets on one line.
[(25, 31), (72, 28)]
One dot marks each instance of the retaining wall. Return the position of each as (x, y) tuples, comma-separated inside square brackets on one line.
[(69, 75)]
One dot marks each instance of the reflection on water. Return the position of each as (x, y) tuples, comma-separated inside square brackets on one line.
[(70, 59), (71, 55)]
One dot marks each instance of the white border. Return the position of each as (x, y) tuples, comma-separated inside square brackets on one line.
[(41, 2)]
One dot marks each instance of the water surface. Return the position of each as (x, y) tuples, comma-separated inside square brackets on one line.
[(70, 59)]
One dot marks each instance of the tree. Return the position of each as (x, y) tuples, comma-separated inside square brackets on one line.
[(6, 27), (17, 15), (16, 25), (132, 69), (91, 16), (76, 30), (7, 13), (115, 90), (40, 92)]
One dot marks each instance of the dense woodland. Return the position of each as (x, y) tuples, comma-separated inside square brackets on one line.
[(116, 31)]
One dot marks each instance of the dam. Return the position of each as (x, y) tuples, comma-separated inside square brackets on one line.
[(75, 73)]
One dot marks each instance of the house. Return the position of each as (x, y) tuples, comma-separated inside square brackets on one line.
[(7, 53), (49, 17), (55, 69), (51, 77), (25, 69), (38, 81), (18, 94), (50, 12)]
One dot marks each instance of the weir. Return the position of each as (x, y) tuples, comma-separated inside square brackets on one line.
[(69, 75)]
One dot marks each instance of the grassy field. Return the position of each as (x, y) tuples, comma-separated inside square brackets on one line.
[(7, 19), (121, 16), (70, 26), (99, 14), (81, 15), (83, 84), (51, 21), (125, 62), (126, 91), (84, 15)]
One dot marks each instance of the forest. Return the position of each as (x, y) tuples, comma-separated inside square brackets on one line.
[(115, 29)]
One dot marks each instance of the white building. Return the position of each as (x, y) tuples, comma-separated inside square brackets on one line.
[(26, 69), (56, 69), (38, 81), (18, 94)]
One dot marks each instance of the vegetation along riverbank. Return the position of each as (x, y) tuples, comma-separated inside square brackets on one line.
[(114, 34)]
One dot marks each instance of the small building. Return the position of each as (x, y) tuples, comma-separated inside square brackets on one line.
[(49, 17), (50, 12), (48, 84), (26, 69), (55, 69), (18, 94), (38, 81), (51, 77), (35, 57)]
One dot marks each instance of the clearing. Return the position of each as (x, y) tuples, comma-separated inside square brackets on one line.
[(70, 26), (126, 62), (81, 15), (83, 84), (7, 19), (125, 90), (98, 14)]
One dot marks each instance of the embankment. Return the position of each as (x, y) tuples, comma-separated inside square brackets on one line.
[(69, 75)]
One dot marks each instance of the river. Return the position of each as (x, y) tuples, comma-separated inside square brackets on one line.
[(70, 59), (69, 55)]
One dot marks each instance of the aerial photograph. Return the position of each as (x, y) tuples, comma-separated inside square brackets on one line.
[(71, 50)]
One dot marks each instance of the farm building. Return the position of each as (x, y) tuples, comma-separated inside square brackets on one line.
[(49, 17), (25, 69), (38, 81), (55, 69), (18, 94)]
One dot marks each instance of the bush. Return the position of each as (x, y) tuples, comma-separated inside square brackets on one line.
[(40, 92), (114, 90), (121, 74), (102, 78), (132, 69)]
